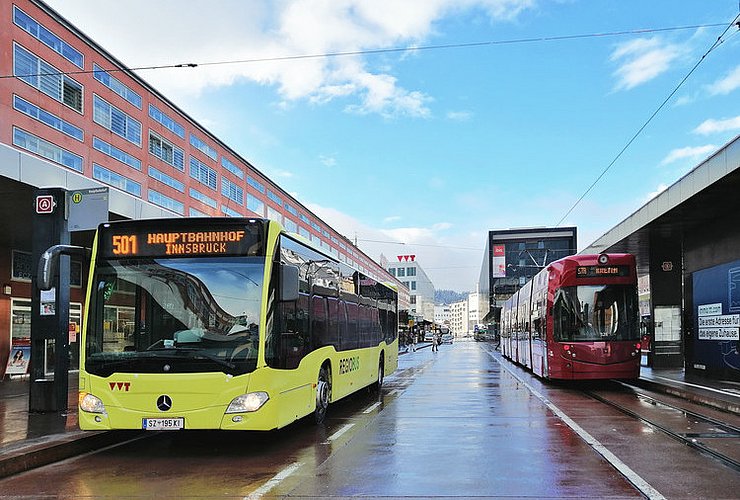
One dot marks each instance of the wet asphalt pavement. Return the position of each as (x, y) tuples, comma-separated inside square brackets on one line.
[(452, 424)]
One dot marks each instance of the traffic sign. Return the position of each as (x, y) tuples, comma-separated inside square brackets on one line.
[(45, 204)]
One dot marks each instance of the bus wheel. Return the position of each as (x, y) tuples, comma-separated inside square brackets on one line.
[(323, 394), (378, 385)]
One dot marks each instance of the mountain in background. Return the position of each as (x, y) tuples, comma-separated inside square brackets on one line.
[(448, 296)]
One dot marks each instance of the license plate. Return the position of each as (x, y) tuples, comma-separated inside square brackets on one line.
[(163, 424)]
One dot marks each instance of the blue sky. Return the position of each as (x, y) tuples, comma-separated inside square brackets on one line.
[(427, 150)]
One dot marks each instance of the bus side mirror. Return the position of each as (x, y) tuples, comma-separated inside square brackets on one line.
[(50, 260), (288, 283)]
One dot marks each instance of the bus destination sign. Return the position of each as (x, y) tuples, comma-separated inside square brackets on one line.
[(601, 271), (130, 242)]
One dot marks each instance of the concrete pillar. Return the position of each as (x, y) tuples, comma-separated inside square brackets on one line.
[(666, 297)]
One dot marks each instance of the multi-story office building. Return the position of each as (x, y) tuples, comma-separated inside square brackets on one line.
[(512, 257), (459, 317), (72, 115), (442, 314), (421, 290)]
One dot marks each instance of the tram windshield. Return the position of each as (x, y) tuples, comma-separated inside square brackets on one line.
[(175, 315), (596, 313)]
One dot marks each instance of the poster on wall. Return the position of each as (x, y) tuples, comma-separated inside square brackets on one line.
[(18, 363), (499, 262), (717, 317)]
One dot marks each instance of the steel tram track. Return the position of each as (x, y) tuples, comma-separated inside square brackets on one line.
[(730, 431)]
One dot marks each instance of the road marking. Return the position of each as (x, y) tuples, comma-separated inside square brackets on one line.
[(277, 479), (341, 431), (372, 407), (638, 482)]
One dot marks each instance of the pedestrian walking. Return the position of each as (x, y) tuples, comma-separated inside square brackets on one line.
[(435, 343), (412, 343)]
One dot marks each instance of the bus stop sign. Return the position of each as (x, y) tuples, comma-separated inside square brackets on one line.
[(87, 208)]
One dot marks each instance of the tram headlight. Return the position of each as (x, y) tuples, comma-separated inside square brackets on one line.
[(90, 403), (246, 403)]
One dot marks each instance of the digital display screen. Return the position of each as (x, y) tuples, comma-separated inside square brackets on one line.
[(600, 271), (126, 242)]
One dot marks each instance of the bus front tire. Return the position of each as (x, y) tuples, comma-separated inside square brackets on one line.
[(323, 394)]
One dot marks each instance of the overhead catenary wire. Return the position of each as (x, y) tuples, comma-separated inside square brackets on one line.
[(716, 44), (639, 31)]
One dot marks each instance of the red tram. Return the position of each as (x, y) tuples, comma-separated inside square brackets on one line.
[(576, 319)]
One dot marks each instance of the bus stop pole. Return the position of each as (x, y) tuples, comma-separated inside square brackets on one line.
[(50, 309)]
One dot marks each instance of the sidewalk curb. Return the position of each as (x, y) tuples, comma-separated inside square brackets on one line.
[(28, 455)]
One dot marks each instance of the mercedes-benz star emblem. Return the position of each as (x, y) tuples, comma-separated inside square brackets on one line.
[(164, 402)]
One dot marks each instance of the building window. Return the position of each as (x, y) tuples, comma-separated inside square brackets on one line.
[(255, 184), (46, 78), (166, 179), (115, 120), (198, 144), (410, 271), (116, 180), (392, 271), (291, 209), (207, 200), (166, 151), (413, 285), (231, 167), (39, 146), (231, 213), (255, 205), (168, 122), (41, 33), (47, 118), (290, 225), (273, 214), (116, 154), (274, 198), (202, 173), (232, 191), (116, 86), (401, 271), (166, 202), (193, 212), (304, 232), (22, 268)]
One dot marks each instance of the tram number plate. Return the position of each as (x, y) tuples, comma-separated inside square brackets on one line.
[(163, 424)]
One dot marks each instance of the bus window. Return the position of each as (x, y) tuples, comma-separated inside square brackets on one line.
[(350, 339)]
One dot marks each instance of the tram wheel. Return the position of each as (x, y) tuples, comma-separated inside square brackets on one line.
[(323, 394)]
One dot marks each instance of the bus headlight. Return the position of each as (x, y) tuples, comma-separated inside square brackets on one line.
[(248, 402), (91, 404)]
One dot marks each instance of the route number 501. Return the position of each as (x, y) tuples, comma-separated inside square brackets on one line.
[(124, 245)]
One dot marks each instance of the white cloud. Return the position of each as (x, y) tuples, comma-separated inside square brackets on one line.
[(459, 116), (688, 152), (391, 218), (642, 60), (249, 30), (712, 126), (435, 247), (328, 161), (726, 84), (658, 190)]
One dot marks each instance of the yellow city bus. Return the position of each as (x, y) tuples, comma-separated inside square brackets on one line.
[(225, 323)]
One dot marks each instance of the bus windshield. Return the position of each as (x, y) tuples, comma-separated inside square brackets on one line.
[(179, 315), (596, 313)]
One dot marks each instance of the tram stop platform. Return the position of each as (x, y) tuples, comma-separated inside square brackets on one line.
[(29, 440)]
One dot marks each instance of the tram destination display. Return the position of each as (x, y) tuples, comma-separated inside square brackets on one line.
[(601, 271)]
